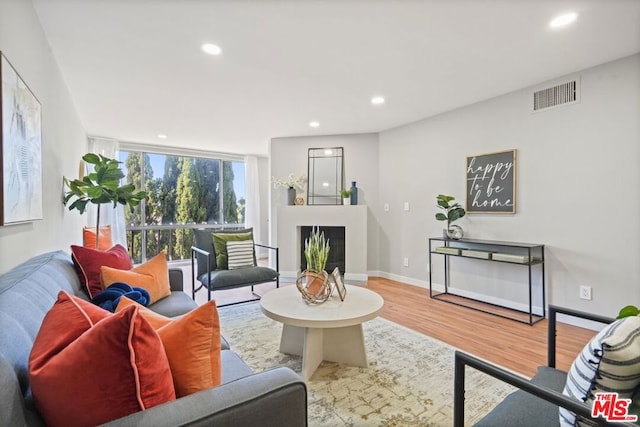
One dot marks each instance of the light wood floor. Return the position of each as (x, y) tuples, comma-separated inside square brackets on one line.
[(516, 346)]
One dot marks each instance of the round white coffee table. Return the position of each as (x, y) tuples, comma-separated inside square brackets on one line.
[(329, 331)]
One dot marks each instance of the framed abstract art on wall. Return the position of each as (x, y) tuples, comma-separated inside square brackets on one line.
[(21, 154)]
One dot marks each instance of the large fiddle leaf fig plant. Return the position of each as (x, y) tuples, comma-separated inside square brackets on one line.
[(101, 186), (453, 210)]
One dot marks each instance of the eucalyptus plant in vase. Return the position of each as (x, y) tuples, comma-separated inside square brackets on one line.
[(101, 186), (293, 183), (453, 212), (313, 283)]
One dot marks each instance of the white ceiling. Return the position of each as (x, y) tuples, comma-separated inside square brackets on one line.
[(135, 68)]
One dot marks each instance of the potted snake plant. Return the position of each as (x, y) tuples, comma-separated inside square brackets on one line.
[(313, 283), (316, 250)]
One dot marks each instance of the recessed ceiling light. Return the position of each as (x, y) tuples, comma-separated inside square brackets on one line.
[(377, 100), (325, 184), (211, 49), (314, 124), (162, 136), (563, 20)]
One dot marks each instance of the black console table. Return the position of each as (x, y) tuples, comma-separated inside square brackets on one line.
[(525, 254)]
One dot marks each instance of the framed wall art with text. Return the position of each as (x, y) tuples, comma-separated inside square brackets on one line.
[(491, 183)]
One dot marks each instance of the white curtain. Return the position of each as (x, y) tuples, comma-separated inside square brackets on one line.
[(108, 215), (252, 190)]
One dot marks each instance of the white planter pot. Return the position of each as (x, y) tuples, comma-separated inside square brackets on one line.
[(346, 201)]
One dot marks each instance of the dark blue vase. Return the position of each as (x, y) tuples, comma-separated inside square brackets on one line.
[(354, 193)]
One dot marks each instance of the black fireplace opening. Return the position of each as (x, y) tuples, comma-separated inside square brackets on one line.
[(336, 245)]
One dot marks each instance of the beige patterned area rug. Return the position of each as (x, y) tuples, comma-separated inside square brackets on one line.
[(409, 381)]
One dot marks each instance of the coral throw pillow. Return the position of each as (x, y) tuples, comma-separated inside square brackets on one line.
[(153, 276), (88, 261), (192, 343), (85, 372), (89, 238)]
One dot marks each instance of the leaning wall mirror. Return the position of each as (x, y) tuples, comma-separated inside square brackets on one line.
[(326, 171)]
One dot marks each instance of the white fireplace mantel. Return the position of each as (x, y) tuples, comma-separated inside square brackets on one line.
[(353, 218)]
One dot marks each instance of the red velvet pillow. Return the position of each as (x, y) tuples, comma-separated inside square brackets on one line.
[(89, 261), (71, 318), (113, 368)]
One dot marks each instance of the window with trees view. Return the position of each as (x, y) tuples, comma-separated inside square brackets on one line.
[(182, 193)]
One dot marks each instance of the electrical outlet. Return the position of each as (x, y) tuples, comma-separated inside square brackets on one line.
[(406, 206), (406, 262), (386, 207), (585, 292)]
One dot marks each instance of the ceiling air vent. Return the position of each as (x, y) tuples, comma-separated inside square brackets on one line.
[(556, 96)]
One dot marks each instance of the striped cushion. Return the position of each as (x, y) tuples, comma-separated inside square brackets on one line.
[(610, 362), (240, 254)]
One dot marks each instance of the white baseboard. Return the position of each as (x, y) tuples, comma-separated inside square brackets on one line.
[(461, 292), (537, 310), (403, 279), (581, 323), (288, 276), (353, 278)]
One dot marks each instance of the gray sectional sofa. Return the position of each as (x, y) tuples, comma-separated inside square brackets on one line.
[(277, 397)]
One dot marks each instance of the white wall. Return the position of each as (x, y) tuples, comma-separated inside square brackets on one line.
[(64, 141), (263, 173), (352, 218), (578, 186), (289, 155)]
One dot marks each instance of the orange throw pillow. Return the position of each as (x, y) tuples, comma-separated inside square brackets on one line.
[(192, 344), (88, 262), (89, 238), (112, 368), (153, 276), (155, 320)]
